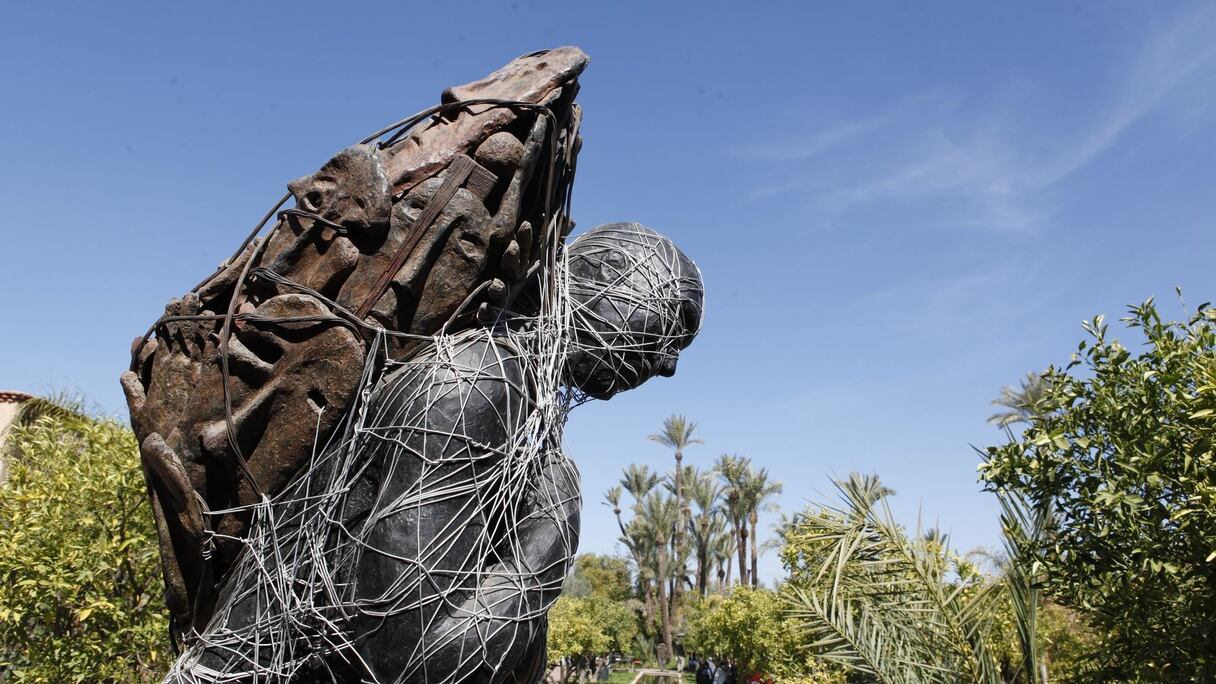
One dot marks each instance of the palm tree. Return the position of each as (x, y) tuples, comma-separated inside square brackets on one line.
[(733, 471), (723, 552), (634, 534), (781, 530), (677, 436), (704, 490), (612, 499), (1019, 403), (638, 480), (659, 515), (758, 493), (900, 607)]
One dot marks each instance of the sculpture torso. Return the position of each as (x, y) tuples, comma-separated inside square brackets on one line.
[(433, 540)]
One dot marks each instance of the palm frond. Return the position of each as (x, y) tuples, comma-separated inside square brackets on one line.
[(884, 602)]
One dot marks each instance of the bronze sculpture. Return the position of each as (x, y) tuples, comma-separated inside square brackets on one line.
[(355, 468)]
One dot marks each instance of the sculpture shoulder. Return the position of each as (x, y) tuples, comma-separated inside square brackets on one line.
[(454, 379)]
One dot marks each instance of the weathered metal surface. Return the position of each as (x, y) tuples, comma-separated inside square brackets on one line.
[(245, 376)]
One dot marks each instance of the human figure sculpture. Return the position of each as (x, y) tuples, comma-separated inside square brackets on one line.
[(429, 545), (435, 222), (351, 432)]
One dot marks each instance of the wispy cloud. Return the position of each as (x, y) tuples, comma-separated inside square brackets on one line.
[(988, 167), (816, 142)]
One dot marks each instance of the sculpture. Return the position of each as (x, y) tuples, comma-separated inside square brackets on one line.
[(356, 468)]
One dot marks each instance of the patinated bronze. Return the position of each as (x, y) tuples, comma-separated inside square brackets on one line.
[(352, 250), (351, 431)]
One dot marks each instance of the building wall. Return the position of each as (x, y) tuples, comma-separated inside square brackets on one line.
[(10, 405)]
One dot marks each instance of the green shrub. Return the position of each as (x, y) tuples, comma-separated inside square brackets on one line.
[(750, 627), (80, 585), (1119, 450)]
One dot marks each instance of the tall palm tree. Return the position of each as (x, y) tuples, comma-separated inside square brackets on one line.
[(758, 494), (638, 480), (677, 436), (733, 469), (659, 516), (612, 499), (723, 552), (635, 534), (704, 490)]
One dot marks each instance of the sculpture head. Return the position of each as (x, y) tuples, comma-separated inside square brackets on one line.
[(636, 302)]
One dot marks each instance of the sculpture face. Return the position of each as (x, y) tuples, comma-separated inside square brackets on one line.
[(636, 301)]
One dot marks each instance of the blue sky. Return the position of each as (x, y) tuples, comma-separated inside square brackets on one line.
[(898, 209)]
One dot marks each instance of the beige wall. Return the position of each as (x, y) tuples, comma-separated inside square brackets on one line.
[(10, 403)]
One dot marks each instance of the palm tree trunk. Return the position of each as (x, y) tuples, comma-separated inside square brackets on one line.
[(741, 529), (678, 590), (651, 619), (703, 562), (755, 554), (664, 606), (730, 562)]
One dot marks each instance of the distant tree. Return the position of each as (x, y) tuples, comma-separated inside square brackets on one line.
[(677, 435), (706, 526), (658, 521), (638, 481), (596, 613), (599, 575), (581, 628), (759, 492), (734, 470), (1020, 404), (723, 553), (1120, 450), (749, 626)]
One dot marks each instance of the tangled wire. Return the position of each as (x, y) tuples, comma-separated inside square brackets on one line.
[(426, 541)]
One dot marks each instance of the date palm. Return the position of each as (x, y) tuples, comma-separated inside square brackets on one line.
[(899, 606), (657, 522), (706, 525), (1019, 404), (734, 469), (723, 549), (677, 435), (758, 493), (638, 480), (634, 534)]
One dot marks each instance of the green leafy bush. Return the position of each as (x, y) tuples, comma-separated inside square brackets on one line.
[(750, 626), (1118, 451), (582, 628), (80, 585)]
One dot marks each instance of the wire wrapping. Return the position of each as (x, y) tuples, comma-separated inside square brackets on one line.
[(458, 445), (428, 542)]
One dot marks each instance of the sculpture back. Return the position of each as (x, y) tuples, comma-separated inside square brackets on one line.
[(429, 226)]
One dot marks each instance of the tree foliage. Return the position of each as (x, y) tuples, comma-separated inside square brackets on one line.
[(1118, 450), (596, 613), (582, 628), (80, 585), (900, 608), (749, 626), (598, 575)]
